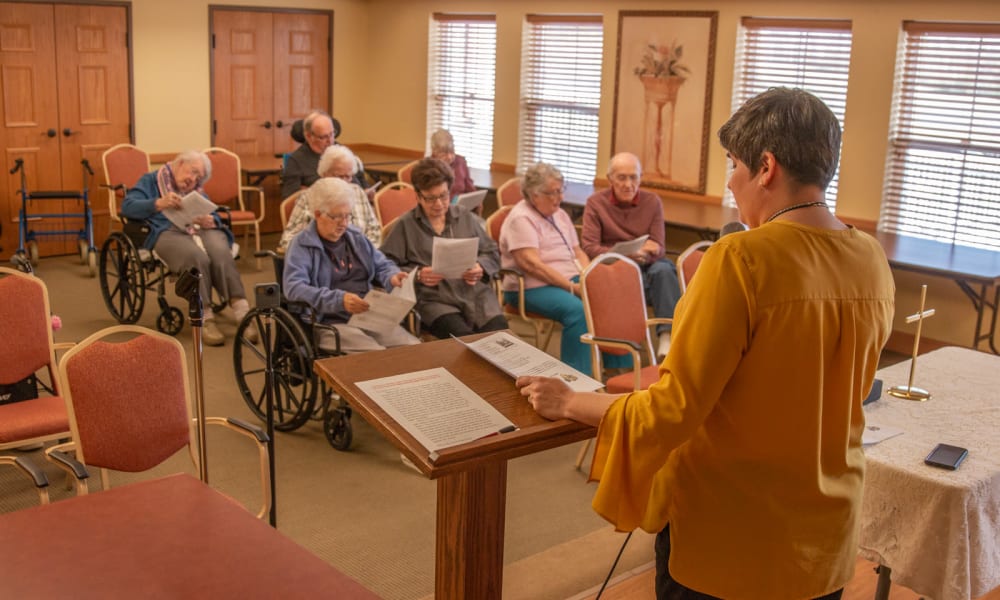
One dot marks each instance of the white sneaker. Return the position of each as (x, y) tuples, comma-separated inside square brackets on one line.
[(210, 334), (664, 345)]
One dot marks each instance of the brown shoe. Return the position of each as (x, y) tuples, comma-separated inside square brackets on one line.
[(210, 334)]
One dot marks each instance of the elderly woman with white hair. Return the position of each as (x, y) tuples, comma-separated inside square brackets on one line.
[(331, 266), (338, 162), (203, 244)]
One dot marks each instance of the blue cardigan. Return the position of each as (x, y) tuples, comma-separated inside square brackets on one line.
[(140, 204)]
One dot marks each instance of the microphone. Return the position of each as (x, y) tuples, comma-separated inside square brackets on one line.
[(732, 227)]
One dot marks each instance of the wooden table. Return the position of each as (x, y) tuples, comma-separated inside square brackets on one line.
[(974, 270), (172, 537), (471, 478), (257, 167), (937, 530)]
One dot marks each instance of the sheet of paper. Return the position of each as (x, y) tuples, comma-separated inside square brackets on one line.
[(385, 311), (453, 256), (435, 408), (514, 356), (630, 247), (874, 434), (471, 200), (192, 205)]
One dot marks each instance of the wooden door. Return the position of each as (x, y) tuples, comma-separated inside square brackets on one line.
[(268, 69), (29, 112)]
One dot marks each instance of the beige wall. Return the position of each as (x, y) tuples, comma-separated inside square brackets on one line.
[(380, 80)]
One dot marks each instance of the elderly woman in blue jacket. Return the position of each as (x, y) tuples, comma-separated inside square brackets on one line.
[(331, 266)]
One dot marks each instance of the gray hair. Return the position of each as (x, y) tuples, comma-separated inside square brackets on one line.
[(333, 155), (307, 123), (190, 156), (623, 156), (329, 193), (537, 176), (442, 141)]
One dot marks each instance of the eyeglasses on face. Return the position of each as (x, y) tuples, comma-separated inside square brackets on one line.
[(443, 197), (322, 138), (625, 177), (559, 191), (341, 218)]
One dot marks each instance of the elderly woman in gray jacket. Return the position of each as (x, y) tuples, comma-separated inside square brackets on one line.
[(458, 306)]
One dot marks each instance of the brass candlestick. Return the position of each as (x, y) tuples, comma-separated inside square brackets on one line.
[(908, 392)]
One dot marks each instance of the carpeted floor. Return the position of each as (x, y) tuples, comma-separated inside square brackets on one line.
[(361, 510)]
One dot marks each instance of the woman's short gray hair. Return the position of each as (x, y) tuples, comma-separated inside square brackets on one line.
[(537, 176), (190, 156), (333, 155), (442, 141), (329, 193)]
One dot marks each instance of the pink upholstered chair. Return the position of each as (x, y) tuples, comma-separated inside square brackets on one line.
[(394, 200), (688, 261), (509, 192)]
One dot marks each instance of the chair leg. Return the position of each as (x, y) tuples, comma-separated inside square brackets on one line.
[(256, 233), (582, 455)]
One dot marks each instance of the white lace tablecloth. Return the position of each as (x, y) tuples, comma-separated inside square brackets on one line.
[(938, 530)]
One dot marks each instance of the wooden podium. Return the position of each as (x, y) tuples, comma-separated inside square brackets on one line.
[(472, 477)]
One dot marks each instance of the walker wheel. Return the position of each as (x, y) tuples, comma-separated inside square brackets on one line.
[(33, 252), (82, 246), (338, 430), (170, 321), (92, 262)]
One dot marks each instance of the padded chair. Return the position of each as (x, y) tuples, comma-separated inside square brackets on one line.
[(287, 205), (26, 350), (615, 306), (123, 164), (404, 173), (394, 200), (225, 188), (129, 402), (509, 192), (688, 261), (542, 326)]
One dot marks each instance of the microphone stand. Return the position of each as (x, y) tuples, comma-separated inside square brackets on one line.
[(188, 287)]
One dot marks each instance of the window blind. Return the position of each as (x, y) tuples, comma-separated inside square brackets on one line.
[(814, 55), (560, 93), (461, 83), (944, 136)]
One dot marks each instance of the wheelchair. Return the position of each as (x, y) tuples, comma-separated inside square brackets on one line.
[(127, 271), (298, 394)]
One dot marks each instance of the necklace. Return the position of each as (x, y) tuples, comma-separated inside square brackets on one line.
[(794, 207)]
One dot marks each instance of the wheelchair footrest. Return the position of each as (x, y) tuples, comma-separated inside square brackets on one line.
[(54, 195)]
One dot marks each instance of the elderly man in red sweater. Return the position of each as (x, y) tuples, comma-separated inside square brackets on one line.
[(622, 213)]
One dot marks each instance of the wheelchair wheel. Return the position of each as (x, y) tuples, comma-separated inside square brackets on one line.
[(294, 391), (170, 321), (123, 279), (337, 428)]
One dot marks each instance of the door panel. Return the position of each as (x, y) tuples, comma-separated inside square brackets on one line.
[(302, 70), (242, 73)]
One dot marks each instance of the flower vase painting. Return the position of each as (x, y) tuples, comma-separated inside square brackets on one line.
[(663, 94)]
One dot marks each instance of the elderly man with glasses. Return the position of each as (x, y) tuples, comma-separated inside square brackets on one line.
[(623, 213), (300, 167)]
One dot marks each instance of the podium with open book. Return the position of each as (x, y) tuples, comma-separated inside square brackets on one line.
[(472, 476)]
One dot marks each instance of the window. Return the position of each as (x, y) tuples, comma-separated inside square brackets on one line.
[(944, 137), (560, 94), (814, 55), (461, 83)]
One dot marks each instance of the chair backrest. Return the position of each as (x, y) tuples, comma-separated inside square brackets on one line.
[(495, 221), (224, 185), (25, 327), (404, 173), (614, 302), (509, 192), (123, 164), (688, 261), (128, 401), (287, 205), (394, 200)]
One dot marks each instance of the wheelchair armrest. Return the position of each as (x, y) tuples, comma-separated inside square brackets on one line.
[(227, 219)]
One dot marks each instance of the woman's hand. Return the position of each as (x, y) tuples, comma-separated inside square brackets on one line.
[(397, 279), (549, 396), (354, 303), (428, 277), (205, 221), (171, 200), (473, 275)]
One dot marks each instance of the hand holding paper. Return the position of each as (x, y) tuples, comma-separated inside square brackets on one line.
[(451, 258), (191, 207), (631, 247)]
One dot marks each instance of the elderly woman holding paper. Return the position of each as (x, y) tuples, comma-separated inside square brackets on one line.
[(332, 266), (203, 244), (460, 300)]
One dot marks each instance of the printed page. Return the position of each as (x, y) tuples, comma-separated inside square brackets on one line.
[(385, 311), (192, 205), (631, 247), (514, 356), (436, 408), (471, 200), (452, 257)]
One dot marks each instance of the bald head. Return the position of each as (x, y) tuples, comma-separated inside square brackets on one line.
[(624, 173)]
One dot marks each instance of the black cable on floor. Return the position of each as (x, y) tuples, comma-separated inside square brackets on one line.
[(613, 565)]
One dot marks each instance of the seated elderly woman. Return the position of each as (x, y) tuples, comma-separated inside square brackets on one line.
[(202, 244), (458, 306), (338, 162), (443, 149), (538, 238), (331, 266)]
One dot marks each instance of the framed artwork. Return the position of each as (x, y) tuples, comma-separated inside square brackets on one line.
[(663, 94)]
